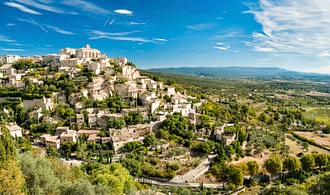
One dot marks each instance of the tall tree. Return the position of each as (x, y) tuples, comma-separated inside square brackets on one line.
[(235, 176), (307, 162), (11, 177), (292, 164), (321, 160), (274, 165), (253, 168)]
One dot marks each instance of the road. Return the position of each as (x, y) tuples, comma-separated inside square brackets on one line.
[(191, 175), (176, 184)]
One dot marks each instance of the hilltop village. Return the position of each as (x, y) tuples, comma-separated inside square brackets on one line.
[(100, 113), (97, 91)]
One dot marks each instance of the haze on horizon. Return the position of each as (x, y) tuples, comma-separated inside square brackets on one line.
[(291, 34)]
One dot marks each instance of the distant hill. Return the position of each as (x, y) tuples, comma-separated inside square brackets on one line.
[(239, 72)]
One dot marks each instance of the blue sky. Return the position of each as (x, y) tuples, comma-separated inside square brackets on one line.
[(293, 34)]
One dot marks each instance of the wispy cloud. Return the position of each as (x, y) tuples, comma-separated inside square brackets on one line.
[(33, 22), (59, 30), (86, 6), (42, 26), (221, 46), (6, 39), (10, 24), (201, 26), (124, 38), (41, 6), (292, 26), (136, 23), (160, 39), (230, 33), (123, 12), (11, 49), (101, 33), (22, 8)]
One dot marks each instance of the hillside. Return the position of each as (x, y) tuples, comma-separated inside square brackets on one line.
[(228, 72)]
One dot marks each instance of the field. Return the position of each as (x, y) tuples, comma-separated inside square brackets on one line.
[(295, 148), (325, 141), (260, 159), (320, 114)]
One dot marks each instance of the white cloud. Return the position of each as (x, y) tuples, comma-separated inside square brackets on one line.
[(59, 30), (293, 26), (222, 46), (123, 12), (10, 24), (101, 33), (40, 6), (160, 39), (6, 39), (86, 6), (136, 23), (201, 26), (124, 38), (320, 70), (219, 43), (264, 49), (22, 8), (11, 49)]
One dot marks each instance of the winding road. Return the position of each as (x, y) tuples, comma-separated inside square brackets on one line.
[(191, 175)]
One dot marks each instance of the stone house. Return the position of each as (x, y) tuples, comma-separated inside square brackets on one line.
[(14, 130)]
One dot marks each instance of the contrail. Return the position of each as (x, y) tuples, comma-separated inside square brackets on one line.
[(112, 21), (106, 22), (36, 23)]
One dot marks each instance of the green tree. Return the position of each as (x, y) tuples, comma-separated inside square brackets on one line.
[(235, 176), (307, 162), (204, 148), (322, 186), (253, 168), (326, 130), (263, 117), (273, 165), (116, 123), (81, 187), (321, 160), (68, 148), (279, 190), (81, 152), (114, 176), (40, 178), (149, 140), (131, 146), (134, 118), (178, 125), (52, 152), (11, 177), (133, 166), (292, 164), (7, 148)]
